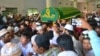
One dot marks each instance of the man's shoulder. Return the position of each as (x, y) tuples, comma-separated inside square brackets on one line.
[(67, 53), (53, 51)]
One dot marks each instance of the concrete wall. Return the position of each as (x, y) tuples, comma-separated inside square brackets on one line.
[(96, 4), (54, 3), (64, 3), (14, 4), (23, 5), (39, 4), (81, 4)]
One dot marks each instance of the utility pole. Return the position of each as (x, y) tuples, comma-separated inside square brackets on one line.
[(48, 3), (75, 3)]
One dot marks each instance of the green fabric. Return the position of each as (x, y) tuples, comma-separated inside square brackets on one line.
[(52, 14), (68, 12), (49, 14)]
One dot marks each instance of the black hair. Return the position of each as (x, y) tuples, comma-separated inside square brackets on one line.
[(86, 38), (49, 23), (28, 35), (92, 22), (98, 33), (42, 41), (49, 34), (28, 29), (65, 42), (3, 26), (70, 32), (22, 24)]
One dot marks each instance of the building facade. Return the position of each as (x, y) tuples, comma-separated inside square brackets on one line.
[(23, 5)]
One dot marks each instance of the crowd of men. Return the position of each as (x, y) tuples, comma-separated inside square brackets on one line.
[(28, 36)]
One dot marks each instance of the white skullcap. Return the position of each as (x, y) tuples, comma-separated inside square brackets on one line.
[(85, 32), (37, 23), (39, 28), (69, 27), (2, 32), (10, 49)]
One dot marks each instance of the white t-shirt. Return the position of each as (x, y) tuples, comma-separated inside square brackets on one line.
[(16, 39), (77, 45), (67, 53), (1, 44), (54, 39), (89, 53)]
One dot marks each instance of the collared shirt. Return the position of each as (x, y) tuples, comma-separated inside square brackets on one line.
[(51, 52), (26, 49)]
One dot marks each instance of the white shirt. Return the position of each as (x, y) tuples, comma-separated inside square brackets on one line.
[(27, 49), (54, 39), (1, 44), (89, 53), (16, 39), (67, 53), (77, 44)]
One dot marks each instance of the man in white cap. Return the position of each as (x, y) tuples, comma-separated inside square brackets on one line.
[(87, 48), (69, 29), (5, 37), (10, 49)]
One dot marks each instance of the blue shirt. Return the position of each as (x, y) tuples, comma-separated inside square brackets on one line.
[(27, 49), (95, 42)]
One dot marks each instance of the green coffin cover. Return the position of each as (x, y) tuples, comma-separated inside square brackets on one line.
[(68, 12), (49, 14), (52, 14)]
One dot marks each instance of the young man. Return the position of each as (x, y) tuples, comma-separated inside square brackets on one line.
[(25, 44), (66, 45), (69, 29), (94, 39), (87, 47), (41, 46)]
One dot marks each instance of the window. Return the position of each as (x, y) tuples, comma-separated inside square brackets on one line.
[(10, 11), (98, 5), (32, 11)]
